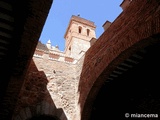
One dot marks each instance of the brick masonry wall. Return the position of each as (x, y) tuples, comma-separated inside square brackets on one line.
[(57, 83), (51, 81), (133, 29), (29, 18)]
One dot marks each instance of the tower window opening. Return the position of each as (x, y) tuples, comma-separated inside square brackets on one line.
[(69, 53), (80, 29), (88, 32)]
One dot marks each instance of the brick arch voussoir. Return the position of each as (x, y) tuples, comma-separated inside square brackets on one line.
[(95, 87), (135, 40)]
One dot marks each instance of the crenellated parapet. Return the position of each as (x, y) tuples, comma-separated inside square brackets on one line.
[(43, 52)]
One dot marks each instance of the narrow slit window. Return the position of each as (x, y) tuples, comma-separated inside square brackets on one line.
[(88, 32), (80, 29), (69, 50)]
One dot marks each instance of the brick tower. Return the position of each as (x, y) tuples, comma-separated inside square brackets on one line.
[(79, 36)]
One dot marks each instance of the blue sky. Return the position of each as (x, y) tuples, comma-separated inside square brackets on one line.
[(98, 11)]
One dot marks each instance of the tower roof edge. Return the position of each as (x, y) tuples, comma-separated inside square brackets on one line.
[(80, 20)]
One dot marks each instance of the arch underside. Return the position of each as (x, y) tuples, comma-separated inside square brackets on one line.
[(133, 89), (127, 72)]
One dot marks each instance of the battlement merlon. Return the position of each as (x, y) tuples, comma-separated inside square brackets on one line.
[(54, 56), (80, 20)]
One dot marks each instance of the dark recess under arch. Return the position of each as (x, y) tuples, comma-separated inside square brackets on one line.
[(135, 91)]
